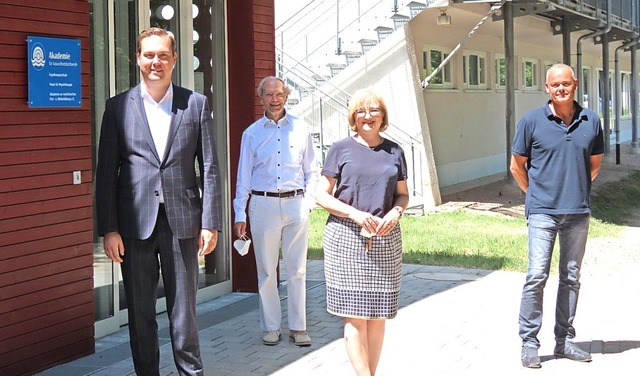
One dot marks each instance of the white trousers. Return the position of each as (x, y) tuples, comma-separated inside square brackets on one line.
[(280, 223)]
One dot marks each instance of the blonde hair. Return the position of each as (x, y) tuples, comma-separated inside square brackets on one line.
[(362, 99)]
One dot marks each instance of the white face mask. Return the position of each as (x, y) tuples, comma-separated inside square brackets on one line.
[(242, 245)]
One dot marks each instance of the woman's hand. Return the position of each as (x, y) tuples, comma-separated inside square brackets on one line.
[(368, 221), (390, 220)]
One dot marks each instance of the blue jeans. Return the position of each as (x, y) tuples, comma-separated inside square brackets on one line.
[(571, 230)]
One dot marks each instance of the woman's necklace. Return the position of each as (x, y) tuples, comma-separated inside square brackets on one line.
[(378, 144), (372, 147)]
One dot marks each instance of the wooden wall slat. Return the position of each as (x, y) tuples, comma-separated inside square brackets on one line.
[(44, 219), (43, 207), (15, 255), (56, 355), (35, 311), (69, 16), (18, 131), (17, 336), (36, 182), (64, 272), (81, 6), (44, 296), (61, 333), (18, 237), (20, 197), (18, 158), (36, 143), (46, 116), (37, 169)]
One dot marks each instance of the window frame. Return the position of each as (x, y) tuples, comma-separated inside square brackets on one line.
[(445, 75), (535, 70), (500, 64), (479, 72)]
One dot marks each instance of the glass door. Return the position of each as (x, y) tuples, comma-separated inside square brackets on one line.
[(199, 29)]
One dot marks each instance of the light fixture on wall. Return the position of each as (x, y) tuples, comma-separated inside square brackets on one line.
[(443, 19), (165, 12)]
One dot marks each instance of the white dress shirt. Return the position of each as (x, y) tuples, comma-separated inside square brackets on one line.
[(275, 157), (159, 119)]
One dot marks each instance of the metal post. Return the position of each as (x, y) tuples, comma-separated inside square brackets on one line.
[(634, 100), (338, 43), (510, 87), (321, 138), (566, 41), (617, 102), (606, 95)]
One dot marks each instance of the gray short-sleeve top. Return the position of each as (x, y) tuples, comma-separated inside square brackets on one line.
[(366, 177)]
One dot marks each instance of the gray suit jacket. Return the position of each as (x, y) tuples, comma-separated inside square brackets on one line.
[(130, 173)]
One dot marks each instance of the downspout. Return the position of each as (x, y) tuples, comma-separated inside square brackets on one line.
[(634, 100), (593, 34), (617, 101)]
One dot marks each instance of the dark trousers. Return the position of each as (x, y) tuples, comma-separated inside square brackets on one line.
[(178, 260)]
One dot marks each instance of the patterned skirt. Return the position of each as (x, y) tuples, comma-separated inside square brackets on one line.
[(361, 284)]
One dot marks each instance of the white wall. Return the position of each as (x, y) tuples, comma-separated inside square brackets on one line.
[(468, 127)]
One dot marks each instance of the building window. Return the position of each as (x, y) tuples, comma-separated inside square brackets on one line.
[(501, 72), (603, 83), (548, 64), (432, 57), (474, 70), (625, 100), (586, 73), (530, 74)]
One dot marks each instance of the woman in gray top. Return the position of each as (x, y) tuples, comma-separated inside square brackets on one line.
[(362, 240)]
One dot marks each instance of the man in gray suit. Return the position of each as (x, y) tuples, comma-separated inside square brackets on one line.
[(150, 210)]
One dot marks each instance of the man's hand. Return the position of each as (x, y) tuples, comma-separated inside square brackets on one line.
[(240, 229), (519, 171), (113, 246), (208, 241)]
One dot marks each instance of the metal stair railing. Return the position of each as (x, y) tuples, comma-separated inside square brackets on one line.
[(300, 77), (323, 49), (325, 107)]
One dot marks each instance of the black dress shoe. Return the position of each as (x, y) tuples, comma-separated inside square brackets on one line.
[(571, 351), (529, 357)]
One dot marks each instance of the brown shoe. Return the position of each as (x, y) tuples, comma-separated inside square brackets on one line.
[(300, 337)]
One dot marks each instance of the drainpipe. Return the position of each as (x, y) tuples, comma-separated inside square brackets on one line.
[(617, 91), (634, 83), (593, 34), (634, 100)]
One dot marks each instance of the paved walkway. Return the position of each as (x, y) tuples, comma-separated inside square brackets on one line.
[(451, 321)]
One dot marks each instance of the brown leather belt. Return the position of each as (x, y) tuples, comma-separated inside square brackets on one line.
[(285, 194)]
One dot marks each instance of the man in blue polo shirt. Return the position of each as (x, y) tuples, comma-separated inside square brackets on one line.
[(557, 151)]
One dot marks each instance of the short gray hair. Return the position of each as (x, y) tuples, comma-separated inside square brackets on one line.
[(560, 66), (271, 78)]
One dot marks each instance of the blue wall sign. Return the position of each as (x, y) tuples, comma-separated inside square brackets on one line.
[(54, 72)]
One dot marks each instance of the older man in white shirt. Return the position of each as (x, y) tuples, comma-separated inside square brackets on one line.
[(278, 169)]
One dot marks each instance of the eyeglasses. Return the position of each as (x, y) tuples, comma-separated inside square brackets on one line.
[(373, 112)]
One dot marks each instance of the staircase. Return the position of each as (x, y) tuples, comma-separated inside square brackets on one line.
[(308, 63)]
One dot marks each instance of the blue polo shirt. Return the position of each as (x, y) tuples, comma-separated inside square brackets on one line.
[(559, 169)]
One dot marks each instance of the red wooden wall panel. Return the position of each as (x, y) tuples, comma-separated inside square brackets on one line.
[(250, 25), (46, 222)]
